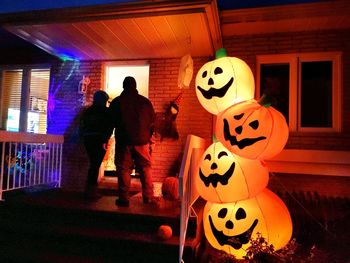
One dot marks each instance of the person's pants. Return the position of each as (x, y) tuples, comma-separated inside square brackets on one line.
[(96, 153), (125, 157)]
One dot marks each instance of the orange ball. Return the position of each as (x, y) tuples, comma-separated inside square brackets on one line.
[(165, 232)]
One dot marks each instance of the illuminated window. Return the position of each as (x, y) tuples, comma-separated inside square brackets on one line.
[(24, 95), (304, 87), (116, 72)]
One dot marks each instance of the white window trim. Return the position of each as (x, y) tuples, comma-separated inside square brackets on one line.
[(120, 63), (294, 60)]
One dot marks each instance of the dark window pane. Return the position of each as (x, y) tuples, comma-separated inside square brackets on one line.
[(274, 82), (316, 94)]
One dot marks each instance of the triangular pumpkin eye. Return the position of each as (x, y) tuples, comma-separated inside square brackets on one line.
[(218, 70), (238, 117), (204, 74), (207, 157), (240, 214), (254, 124), (222, 213)]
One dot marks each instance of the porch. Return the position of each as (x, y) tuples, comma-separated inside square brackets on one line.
[(58, 226), (42, 222)]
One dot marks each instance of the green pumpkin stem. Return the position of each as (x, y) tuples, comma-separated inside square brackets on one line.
[(214, 138), (265, 100), (220, 53)]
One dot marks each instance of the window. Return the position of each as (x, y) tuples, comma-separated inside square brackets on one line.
[(304, 87), (24, 95), (115, 74)]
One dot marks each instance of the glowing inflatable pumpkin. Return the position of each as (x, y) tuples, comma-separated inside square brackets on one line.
[(224, 82), (224, 177), (231, 226), (251, 130)]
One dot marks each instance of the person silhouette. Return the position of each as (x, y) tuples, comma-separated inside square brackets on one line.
[(133, 118), (95, 129)]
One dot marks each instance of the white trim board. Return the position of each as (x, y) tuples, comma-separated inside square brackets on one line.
[(318, 162)]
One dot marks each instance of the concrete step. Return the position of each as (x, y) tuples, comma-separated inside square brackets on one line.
[(63, 225)]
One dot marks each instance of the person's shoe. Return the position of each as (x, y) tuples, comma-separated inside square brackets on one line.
[(122, 203)]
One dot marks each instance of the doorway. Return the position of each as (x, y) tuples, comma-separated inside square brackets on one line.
[(114, 77)]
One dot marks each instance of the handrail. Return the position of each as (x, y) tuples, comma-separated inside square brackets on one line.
[(28, 159), (194, 149)]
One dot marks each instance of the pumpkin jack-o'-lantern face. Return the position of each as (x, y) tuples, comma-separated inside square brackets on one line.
[(251, 130), (216, 156), (231, 226), (236, 241), (225, 177), (252, 125), (224, 82)]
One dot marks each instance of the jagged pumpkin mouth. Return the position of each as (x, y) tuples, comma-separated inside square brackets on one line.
[(236, 241), (241, 144), (214, 92), (216, 178)]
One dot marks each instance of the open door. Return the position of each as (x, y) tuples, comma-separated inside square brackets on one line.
[(115, 75)]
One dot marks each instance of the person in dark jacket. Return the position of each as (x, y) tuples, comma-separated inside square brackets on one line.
[(95, 129), (133, 118)]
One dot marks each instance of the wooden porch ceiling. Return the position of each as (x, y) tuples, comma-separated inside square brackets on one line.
[(129, 31)]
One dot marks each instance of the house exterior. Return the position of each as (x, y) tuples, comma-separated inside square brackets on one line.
[(279, 43)]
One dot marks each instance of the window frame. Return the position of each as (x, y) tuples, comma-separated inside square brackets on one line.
[(134, 63), (25, 90), (294, 60)]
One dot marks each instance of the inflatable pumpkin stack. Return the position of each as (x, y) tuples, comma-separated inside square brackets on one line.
[(232, 175)]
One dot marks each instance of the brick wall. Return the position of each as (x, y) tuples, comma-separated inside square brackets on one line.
[(64, 114), (191, 119), (65, 106), (248, 47)]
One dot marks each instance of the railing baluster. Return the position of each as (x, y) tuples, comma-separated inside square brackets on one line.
[(35, 163), (60, 166), (50, 162), (14, 168), (20, 156), (2, 168), (30, 164)]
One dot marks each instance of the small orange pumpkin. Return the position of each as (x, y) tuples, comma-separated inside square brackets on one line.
[(165, 232), (251, 130), (170, 188)]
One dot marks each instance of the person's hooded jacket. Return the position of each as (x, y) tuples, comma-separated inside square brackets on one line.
[(133, 116), (96, 121)]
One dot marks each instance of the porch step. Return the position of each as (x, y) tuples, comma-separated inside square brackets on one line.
[(60, 227)]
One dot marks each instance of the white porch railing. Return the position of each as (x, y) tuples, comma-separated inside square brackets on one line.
[(194, 148), (28, 159)]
